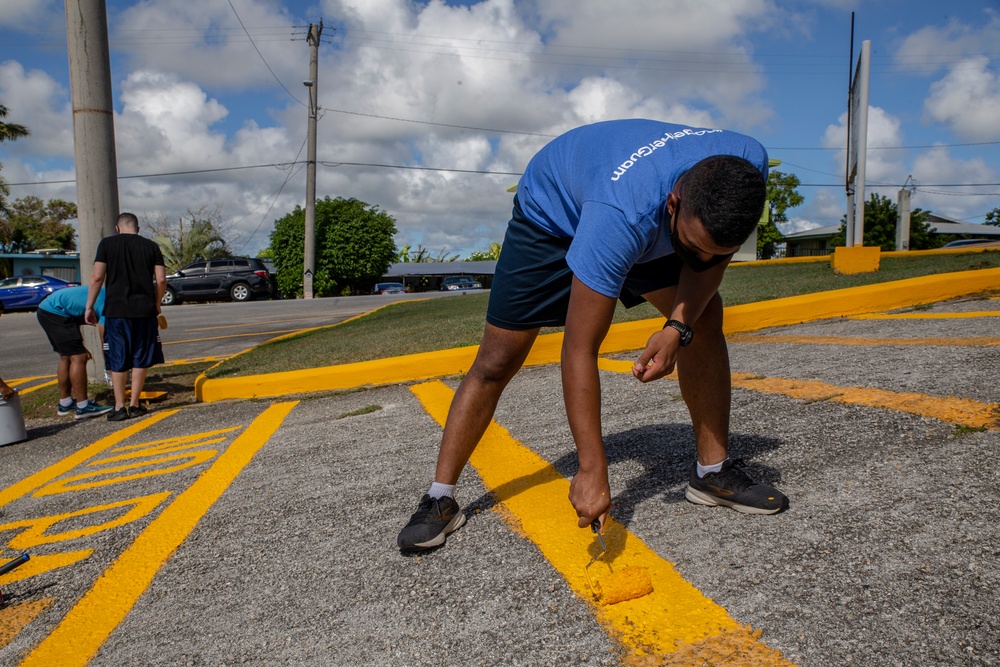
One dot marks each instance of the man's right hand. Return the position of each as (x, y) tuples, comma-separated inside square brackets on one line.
[(89, 316), (590, 494)]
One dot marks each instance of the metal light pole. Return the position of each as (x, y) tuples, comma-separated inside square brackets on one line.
[(309, 249)]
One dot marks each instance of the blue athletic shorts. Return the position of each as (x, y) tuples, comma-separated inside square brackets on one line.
[(532, 282), (131, 342)]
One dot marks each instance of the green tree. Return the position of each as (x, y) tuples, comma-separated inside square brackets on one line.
[(993, 217), (781, 196), (30, 224), (201, 234), (493, 252), (353, 245), (881, 216), (8, 132)]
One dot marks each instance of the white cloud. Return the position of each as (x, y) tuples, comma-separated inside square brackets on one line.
[(884, 131), (36, 100), (23, 14), (967, 100), (937, 167)]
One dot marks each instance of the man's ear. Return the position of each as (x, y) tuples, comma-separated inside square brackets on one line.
[(672, 202)]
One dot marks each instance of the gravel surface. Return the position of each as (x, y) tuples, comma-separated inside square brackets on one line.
[(888, 554)]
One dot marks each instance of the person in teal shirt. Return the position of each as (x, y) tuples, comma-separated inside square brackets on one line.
[(61, 316)]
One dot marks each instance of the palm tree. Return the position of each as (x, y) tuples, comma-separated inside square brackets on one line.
[(8, 132)]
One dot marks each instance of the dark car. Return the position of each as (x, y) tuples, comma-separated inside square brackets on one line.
[(389, 288), (228, 278), (967, 242), (452, 283), (26, 292)]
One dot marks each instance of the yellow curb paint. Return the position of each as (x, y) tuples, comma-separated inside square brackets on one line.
[(927, 316), (37, 387), (973, 341), (14, 618), (43, 477), (535, 494), (855, 259), (87, 625), (621, 337), (269, 320)]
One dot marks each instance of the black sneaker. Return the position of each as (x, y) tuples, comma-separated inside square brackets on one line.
[(118, 415), (137, 410), (431, 524), (731, 487)]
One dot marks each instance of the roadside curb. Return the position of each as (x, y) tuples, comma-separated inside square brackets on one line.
[(621, 337)]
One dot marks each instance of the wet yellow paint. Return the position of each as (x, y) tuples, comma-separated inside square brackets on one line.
[(536, 495), (40, 563), (14, 618), (37, 387), (78, 637)]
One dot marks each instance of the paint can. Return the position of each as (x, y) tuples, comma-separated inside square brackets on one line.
[(12, 421)]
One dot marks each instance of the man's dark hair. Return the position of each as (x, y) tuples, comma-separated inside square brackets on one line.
[(128, 220), (727, 194)]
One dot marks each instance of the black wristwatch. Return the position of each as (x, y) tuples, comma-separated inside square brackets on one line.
[(686, 332)]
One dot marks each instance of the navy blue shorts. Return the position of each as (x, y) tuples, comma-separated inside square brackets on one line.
[(532, 282), (131, 342)]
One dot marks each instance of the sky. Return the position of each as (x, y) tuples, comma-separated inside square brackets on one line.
[(430, 110)]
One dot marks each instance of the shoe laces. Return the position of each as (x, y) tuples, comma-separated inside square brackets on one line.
[(734, 478), (428, 507)]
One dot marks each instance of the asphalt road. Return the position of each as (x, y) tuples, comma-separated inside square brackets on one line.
[(263, 532), (196, 330)]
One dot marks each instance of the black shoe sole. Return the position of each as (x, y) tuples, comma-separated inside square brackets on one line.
[(456, 522)]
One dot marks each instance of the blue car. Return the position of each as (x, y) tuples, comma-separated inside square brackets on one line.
[(26, 292)]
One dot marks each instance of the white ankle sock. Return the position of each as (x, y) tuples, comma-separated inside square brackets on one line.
[(66, 402), (440, 490), (82, 404), (715, 467)]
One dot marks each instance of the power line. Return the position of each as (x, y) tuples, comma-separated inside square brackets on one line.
[(427, 122), (168, 173), (262, 55)]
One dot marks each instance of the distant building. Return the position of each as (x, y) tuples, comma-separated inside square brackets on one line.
[(61, 264), (817, 241), (428, 276)]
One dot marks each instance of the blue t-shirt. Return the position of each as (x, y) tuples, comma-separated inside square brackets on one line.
[(605, 186), (72, 302)]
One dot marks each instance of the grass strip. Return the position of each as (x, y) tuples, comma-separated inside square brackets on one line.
[(438, 324)]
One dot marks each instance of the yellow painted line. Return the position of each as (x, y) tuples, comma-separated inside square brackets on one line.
[(949, 409), (243, 335), (972, 341), (29, 379), (88, 624), (272, 320), (621, 337), (927, 316), (37, 387), (43, 477), (535, 494), (197, 360)]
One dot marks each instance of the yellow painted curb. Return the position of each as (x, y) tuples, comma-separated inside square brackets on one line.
[(621, 337)]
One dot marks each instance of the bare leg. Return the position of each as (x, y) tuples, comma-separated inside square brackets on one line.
[(63, 379), (703, 372), (77, 376), (138, 380), (501, 354), (118, 385)]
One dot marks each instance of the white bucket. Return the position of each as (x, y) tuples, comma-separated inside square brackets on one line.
[(12, 421)]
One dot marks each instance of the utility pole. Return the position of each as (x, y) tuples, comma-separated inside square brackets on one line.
[(309, 250), (94, 141)]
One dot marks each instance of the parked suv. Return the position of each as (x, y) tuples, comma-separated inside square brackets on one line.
[(452, 283), (232, 278)]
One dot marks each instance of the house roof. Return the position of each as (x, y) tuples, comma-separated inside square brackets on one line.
[(939, 225), (441, 268)]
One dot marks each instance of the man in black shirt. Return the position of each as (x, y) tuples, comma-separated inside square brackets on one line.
[(136, 280)]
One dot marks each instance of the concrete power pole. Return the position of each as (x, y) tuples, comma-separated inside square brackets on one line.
[(309, 251), (903, 220), (94, 139)]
